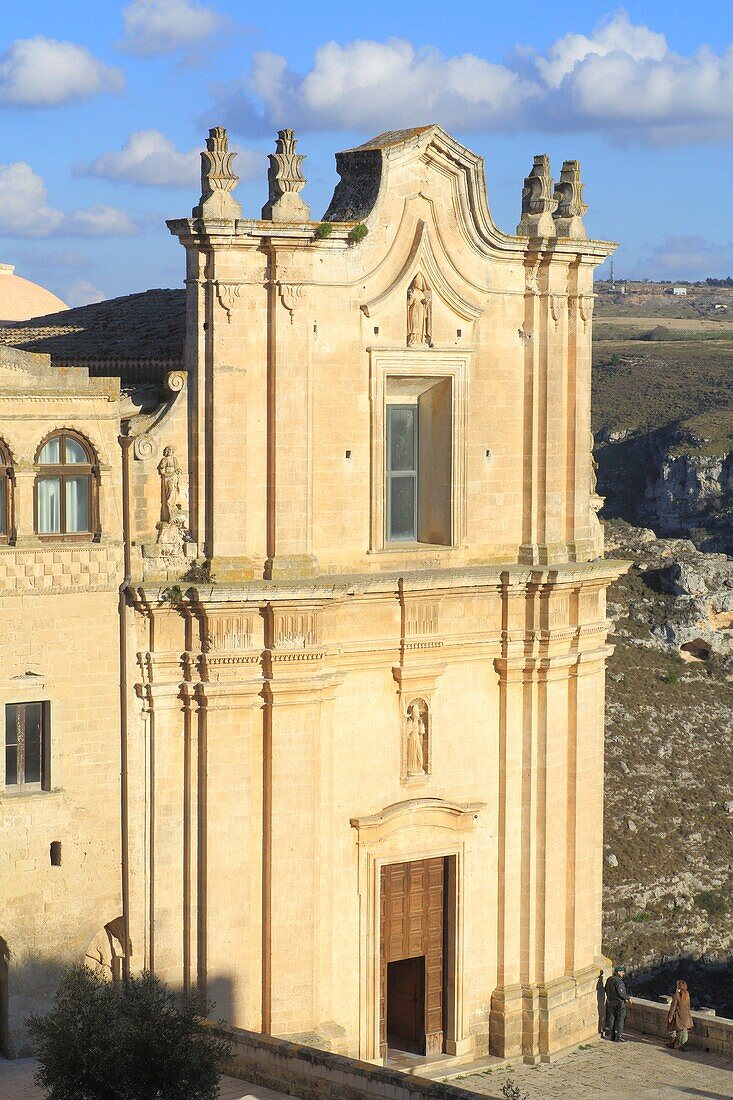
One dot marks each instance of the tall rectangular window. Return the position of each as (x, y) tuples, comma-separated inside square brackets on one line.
[(27, 746), (402, 472)]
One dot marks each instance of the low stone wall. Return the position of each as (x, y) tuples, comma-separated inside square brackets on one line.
[(714, 1033), (319, 1075)]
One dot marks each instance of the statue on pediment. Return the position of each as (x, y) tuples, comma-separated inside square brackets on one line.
[(419, 314)]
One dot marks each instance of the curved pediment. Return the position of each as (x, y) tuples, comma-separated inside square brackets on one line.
[(373, 173), (419, 256)]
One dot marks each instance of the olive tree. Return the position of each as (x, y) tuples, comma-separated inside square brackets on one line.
[(132, 1040)]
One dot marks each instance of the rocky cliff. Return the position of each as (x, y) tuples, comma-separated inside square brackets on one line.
[(669, 764)]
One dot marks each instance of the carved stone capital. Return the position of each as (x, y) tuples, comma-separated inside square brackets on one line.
[(291, 295), (227, 294)]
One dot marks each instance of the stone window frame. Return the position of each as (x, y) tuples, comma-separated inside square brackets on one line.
[(44, 783), (89, 469), (7, 506), (386, 363)]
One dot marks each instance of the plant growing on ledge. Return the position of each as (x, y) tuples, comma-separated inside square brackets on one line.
[(358, 233), (106, 1040), (323, 230), (173, 595)]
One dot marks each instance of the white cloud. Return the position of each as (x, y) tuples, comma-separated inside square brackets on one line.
[(623, 81), (83, 293), (164, 26), (43, 72), (689, 257), (149, 157), (24, 211), (613, 35), (99, 221)]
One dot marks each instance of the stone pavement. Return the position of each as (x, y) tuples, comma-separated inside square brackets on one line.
[(16, 1083), (639, 1069)]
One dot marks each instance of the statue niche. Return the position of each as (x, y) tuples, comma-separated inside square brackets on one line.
[(170, 487), (419, 314), (416, 745)]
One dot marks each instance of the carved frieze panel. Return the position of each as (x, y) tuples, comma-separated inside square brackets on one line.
[(421, 619), (295, 630), (228, 632)]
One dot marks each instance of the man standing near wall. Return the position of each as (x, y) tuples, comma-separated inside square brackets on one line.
[(617, 999)]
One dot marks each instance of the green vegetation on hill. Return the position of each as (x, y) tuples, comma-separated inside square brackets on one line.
[(643, 385)]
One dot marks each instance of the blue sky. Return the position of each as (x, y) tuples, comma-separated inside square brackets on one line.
[(104, 106)]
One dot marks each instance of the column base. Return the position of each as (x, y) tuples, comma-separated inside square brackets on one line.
[(543, 1019)]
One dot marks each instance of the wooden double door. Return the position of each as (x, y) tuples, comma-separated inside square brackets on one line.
[(413, 955)]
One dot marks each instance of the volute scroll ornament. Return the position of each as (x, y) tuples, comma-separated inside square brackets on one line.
[(227, 294), (291, 295)]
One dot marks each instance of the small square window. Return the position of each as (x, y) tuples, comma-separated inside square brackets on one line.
[(27, 746)]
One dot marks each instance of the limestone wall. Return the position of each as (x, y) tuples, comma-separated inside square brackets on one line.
[(710, 1032), (320, 1075), (59, 645)]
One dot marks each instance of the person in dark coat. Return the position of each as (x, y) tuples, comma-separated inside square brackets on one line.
[(617, 999)]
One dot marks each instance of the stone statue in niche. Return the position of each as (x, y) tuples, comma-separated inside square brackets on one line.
[(419, 314), (417, 731), (170, 487)]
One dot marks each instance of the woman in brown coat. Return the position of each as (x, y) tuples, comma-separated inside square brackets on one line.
[(679, 1017)]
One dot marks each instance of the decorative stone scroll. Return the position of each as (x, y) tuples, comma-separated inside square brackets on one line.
[(286, 180), (538, 201), (227, 293), (217, 179), (419, 314), (175, 380), (291, 295), (570, 206)]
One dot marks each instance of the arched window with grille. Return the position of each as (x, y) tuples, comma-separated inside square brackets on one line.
[(6, 494), (67, 488)]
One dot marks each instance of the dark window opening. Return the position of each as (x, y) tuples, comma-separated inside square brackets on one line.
[(27, 746), (55, 853)]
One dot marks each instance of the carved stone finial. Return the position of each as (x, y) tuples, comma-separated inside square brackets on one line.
[(217, 179), (538, 203), (570, 208), (286, 180)]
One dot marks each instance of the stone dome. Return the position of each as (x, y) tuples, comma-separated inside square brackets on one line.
[(20, 299)]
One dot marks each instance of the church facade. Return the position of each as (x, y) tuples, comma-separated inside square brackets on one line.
[(347, 707)]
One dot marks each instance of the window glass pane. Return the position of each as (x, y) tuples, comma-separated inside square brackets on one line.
[(75, 452), (402, 424), (49, 505), (51, 453), (32, 743), (3, 500), (11, 766), (402, 508), (11, 744), (77, 504)]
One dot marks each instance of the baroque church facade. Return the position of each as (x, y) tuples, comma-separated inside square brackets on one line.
[(304, 631)]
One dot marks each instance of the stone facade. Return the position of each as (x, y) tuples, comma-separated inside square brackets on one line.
[(312, 702)]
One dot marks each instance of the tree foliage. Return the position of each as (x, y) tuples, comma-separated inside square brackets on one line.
[(136, 1040)]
